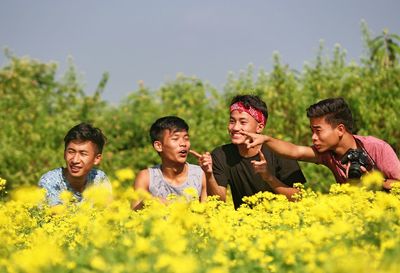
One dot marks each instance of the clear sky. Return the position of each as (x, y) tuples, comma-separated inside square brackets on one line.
[(154, 40)]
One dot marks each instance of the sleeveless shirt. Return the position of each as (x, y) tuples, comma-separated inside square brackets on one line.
[(161, 188)]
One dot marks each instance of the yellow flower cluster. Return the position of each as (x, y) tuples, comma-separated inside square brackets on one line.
[(2, 184), (351, 229)]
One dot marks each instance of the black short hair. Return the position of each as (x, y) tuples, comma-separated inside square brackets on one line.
[(172, 123), (335, 110), (84, 132), (252, 101)]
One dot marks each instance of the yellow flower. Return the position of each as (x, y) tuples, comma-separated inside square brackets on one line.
[(373, 180), (99, 195), (66, 197), (98, 263), (125, 174), (29, 195), (2, 184), (191, 193)]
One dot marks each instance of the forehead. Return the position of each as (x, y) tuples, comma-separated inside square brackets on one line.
[(319, 122), (80, 145), (174, 132), (237, 115)]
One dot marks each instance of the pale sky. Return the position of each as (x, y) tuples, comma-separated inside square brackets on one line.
[(154, 40)]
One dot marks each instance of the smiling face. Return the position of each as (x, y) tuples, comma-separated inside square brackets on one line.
[(80, 157), (324, 135), (242, 121), (173, 146)]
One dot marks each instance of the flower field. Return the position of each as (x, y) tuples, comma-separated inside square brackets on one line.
[(351, 229)]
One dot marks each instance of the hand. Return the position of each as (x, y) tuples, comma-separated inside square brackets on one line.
[(261, 166), (362, 169), (205, 161), (253, 139)]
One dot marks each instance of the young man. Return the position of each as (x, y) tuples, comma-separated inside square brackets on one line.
[(170, 138), (83, 148), (334, 145), (248, 170)]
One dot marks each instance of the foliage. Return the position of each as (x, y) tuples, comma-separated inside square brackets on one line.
[(37, 109)]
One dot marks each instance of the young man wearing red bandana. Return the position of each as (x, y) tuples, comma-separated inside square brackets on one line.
[(248, 170)]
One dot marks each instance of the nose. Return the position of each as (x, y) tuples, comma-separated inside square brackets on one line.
[(183, 143), (76, 158), (236, 126), (314, 137)]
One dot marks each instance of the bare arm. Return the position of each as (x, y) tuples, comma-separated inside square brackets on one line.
[(214, 189), (141, 183), (203, 196), (205, 162), (280, 147)]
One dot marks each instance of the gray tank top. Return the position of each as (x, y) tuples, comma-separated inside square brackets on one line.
[(161, 188)]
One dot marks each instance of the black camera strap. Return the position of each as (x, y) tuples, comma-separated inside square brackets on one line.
[(361, 145)]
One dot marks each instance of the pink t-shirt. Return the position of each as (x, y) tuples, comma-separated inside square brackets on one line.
[(385, 159)]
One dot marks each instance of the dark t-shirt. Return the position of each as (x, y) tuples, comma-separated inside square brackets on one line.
[(229, 167)]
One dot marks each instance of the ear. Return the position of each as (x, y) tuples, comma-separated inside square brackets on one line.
[(341, 129), (157, 146), (260, 128), (97, 159)]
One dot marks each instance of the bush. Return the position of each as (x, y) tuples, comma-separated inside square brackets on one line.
[(37, 109)]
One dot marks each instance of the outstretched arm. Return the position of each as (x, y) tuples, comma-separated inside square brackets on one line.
[(280, 147), (205, 162)]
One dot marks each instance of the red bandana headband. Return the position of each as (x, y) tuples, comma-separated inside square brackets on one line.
[(256, 114)]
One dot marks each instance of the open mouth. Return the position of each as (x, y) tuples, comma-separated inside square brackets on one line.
[(236, 135), (74, 169), (183, 152)]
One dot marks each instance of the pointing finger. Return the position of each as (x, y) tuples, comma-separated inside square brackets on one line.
[(243, 132), (196, 154), (262, 157)]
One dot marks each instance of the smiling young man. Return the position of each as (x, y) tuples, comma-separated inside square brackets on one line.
[(248, 170), (83, 150), (334, 145), (170, 138)]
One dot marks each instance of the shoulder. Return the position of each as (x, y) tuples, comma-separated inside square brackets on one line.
[(195, 169), (373, 144), (224, 150), (194, 166), (97, 173), (98, 176), (142, 179), (144, 172), (371, 140), (270, 155), (52, 177)]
